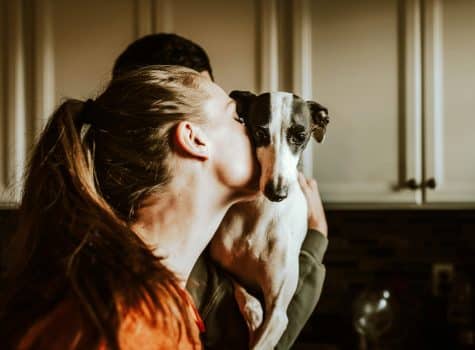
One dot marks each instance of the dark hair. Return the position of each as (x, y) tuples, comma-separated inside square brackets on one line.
[(82, 186), (163, 48)]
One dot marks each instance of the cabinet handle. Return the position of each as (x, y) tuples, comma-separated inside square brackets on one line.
[(413, 185), (431, 183)]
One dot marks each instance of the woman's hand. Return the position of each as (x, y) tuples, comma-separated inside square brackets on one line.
[(316, 215)]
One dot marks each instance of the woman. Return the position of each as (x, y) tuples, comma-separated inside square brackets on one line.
[(121, 196), (210, 286)]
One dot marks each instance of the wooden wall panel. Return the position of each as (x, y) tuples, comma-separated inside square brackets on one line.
[(228, 31), (13, 128)]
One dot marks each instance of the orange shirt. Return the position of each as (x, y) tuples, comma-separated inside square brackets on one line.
[(63, 329)]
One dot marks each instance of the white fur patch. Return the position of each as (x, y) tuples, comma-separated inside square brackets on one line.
[(276, 159)]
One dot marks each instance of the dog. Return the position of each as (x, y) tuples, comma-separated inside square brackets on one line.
[(259, 241)]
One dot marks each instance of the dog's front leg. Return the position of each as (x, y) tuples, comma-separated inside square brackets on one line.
[(275, 323), (251, 309), (278, 291)]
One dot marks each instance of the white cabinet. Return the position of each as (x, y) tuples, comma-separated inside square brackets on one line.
[(51, 50), (57, 49), (399, 80), (397, 76)]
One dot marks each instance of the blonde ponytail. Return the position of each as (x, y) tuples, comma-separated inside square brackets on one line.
[(89, 171)]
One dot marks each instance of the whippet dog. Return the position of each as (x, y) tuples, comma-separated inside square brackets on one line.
[(259, 241)]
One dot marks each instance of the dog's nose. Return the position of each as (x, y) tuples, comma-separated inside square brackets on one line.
[(276, 193)]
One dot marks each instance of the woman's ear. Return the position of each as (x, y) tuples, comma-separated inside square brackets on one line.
[(191, 140)]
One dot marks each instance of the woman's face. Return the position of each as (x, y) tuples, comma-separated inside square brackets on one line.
[(234, 157)]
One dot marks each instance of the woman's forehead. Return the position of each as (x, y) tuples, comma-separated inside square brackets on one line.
[(218, 100)]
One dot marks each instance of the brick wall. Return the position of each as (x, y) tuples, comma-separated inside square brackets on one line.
[(392, 249), (395, 250)]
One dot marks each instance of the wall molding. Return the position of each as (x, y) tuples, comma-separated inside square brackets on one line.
[(302, 48), (433, 97), (143, 17), (302, 66), (43, 65), (268, 49), (410, 36), (162, 16), (153, 16), (14, 104), (3, 92)]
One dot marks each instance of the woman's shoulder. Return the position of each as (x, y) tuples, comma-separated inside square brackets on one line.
[(65, 327), (61, 328), (142, 331)]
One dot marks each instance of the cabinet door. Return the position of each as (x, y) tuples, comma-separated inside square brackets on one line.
[(227, 30), (449, 104), (366, 69), (52, 50), (80, 41)]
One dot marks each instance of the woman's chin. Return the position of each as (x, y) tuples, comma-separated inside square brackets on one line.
[(247, 195), (252, 196)]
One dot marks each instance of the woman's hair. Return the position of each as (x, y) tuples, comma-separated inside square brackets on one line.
[(88, 173)]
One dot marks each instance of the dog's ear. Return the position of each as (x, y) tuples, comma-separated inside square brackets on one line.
[(244, 101), (320, 120)]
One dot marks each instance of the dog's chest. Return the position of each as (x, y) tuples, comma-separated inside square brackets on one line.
[(258, 228)]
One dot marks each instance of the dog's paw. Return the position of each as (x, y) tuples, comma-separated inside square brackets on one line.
[(250, 307)]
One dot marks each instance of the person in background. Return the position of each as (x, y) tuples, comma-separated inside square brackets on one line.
[(107, 235), (211, 287)]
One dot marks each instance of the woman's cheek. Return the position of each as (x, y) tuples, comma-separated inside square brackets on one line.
[(238, 163), (249, 166), (242, 163)]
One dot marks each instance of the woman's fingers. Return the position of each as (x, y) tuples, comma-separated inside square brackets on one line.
[(316, 214), (303, 182)]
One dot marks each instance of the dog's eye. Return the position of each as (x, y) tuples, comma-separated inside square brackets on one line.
[(298, 138)]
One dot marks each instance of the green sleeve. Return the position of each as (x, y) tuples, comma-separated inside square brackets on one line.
[(212, 291), (309, 289)]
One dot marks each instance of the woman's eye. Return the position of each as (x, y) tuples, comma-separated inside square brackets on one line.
[(239, 119)]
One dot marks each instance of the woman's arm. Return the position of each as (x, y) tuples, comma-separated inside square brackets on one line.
[(309, 289), (213, 292)]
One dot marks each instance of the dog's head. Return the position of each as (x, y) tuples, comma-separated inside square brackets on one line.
[(280, 125)]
